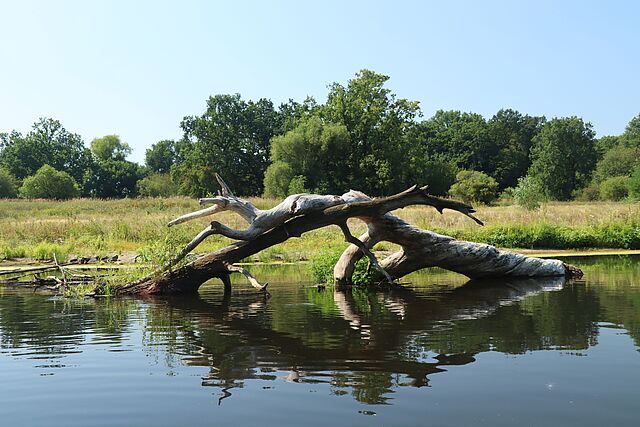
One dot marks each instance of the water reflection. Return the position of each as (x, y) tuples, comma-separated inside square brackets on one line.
[(364, 342), (360, 343)]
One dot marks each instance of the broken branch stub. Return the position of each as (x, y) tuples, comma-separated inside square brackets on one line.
[(300, 213)]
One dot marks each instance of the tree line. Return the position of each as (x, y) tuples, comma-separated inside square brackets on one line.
[(363, 137)]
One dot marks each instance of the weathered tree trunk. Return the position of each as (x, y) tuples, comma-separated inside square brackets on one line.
[(300, 213)]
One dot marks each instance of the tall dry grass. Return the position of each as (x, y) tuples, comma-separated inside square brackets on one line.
[(96, 227)]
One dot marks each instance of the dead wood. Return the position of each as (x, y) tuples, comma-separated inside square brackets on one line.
[(300, 213)]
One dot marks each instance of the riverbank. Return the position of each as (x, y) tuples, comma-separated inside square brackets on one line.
[(84, 227)]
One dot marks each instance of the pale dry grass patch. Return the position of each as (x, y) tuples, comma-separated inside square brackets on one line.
[(88, 227)]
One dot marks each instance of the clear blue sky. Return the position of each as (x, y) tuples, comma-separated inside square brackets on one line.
[(136, 68)]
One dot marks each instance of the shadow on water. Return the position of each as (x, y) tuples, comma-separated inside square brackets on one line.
[(360, 342)]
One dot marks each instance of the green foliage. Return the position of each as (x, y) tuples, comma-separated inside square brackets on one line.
[(322, 264), (166, 247), (157, 185), (46, 251), (376, 123), (112, 178), (589, 193), (297, 185), (438, 174), (460, 137), (13, 251), (631, 135), (614, 188), (474, 186), (619, 161), (277, 178), (48, 183), (564, 156), (634, 184), (614, 234), (313, 150), (512, 134), (109, 147), (8, 187), (161, 156), (606, 143), (47, 143), (231, 138), (528, 193)]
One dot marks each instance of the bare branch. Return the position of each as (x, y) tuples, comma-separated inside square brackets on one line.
[(226, 191), (350, 238), (198, 214)]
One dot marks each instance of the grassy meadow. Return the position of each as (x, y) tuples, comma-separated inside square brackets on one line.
[(88, 227)]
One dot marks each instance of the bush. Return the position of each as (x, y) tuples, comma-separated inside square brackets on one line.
[(322, 268), (277, 178), (49, 183), (296, 185), (619, 161), (528, 193), (633, 184), (157, 185), (7, 185), (589, 193), (46, 251), (614, 188), (473, 186)]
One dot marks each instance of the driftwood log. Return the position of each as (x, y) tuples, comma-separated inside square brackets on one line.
[(300, 213)]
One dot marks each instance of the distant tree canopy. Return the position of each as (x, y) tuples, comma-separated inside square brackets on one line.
[(314, 150), (377, 123), (631, 135), (363, 137), (8, 186), (157, 185), (563, 157), (109, 147), (48, 142), (161, 156), (231, 137)]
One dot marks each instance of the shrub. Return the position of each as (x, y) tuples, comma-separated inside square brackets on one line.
[(49, 183), (45, 251), (619, 161), (528, 193), (474, 186), (589, 193), (323, 263), (277, 178), (634, 184), (505, 198), (7, 184), (296, 185), (614, 188), (157, 185)]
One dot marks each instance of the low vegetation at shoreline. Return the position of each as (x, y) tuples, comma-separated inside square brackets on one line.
[(88, 227)]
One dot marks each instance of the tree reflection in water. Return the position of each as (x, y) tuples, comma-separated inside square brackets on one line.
[(361, 343), (369, 342)]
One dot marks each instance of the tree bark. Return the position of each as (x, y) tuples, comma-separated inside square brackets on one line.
[(300, 213)]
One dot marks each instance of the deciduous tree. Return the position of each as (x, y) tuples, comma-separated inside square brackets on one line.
[(564, 156)]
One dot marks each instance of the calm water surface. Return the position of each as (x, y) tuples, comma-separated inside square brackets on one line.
[(437, 352)]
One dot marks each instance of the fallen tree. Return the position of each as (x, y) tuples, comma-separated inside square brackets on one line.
[(300, 213)]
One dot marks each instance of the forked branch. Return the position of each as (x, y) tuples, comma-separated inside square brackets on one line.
[(350, 238)]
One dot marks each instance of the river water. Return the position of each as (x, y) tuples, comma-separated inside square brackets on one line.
[(438, 351)]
